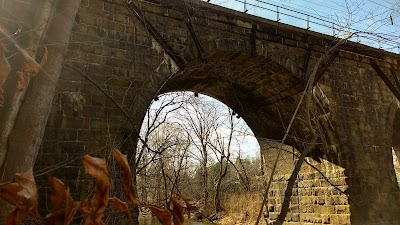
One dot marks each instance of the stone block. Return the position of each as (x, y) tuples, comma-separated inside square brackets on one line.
[(306, 208), (340, 219), (342, 209), (326, 219), (124, 19), (97, 31), (60, 134), (100, 69), (107, 124), (118, 62), (88, 20), (112, 25), (96, 4), (94, 112), (73, 122), (98, 100), (293, 217), (115, 8), (92, 135), (326, 209)]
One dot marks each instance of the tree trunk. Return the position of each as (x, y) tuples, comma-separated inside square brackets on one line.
[(26, 135), (217, 196), (262, 162), (15, 97), (205, 176), (223, 171), (166, 196)]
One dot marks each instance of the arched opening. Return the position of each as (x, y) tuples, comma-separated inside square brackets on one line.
[(260, 90), (265, 95), (196, 146), (396, 144), (312, 190)]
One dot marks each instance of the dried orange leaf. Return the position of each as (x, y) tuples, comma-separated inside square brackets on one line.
[(58, 193), (89, 217), (23, 195), (9, 193), (177, 210), (70, 208), (63, 205), (5, 69), (16, 217), (127, 184), (56, 217), (121, 206), (163, 215), (85, 208), (97, 168), (29, 65), (29, 192), (187, 203)]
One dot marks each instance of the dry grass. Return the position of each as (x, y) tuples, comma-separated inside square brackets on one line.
[(242, 209)]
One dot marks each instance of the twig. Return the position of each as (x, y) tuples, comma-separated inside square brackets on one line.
[(60, 165)]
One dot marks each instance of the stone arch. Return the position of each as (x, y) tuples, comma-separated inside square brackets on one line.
[(228, 43), (259, 89), (393, 121)]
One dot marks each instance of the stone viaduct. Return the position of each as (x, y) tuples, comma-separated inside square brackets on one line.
[(137, 50)]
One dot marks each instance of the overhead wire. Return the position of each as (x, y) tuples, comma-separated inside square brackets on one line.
[(379, 4), (313, 18), (334, 9)]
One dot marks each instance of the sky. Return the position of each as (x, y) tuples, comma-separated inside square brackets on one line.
[(380, 17)]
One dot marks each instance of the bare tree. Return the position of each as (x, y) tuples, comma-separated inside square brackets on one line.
[(222, 150), (155, 139), (199, 121)]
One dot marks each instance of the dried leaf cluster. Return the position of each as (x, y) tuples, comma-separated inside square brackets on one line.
[(64, 207), (28, 67), (176, 214), (23, 194)]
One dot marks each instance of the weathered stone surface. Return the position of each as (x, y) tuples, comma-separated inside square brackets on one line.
[(314, 200), (124, 59)]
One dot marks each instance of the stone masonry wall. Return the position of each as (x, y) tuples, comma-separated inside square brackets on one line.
[(314, 200), (118, 54), (361, 106)]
